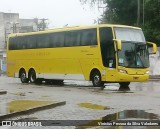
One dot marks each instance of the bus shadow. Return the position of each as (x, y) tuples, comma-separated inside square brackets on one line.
[(114, 88)]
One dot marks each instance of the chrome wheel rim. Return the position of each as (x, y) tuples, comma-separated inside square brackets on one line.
[(96, 79), (23, 77), (32, 78)]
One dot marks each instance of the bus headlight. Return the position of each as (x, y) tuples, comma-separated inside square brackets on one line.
[(147, 72), (122, 71)]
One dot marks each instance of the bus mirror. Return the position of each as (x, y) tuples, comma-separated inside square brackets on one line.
[(118, 44), (152, 48)]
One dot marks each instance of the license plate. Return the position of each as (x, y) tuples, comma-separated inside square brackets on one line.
[(135, 78)]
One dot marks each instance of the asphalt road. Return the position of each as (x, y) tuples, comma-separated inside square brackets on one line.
[(84, 102)]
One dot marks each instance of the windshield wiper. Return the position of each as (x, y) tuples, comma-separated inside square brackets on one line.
[(140, 47), (140, 59)]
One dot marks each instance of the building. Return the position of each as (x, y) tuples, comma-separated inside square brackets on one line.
[(11, 23), (7, 23), (28, 25), (7, 20)]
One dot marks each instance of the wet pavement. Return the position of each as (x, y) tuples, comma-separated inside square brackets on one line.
[(19, 107), (123, 117), (130, 114), (93, 106), (84, 102)]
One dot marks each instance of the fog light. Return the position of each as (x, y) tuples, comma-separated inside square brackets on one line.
[(147, 72), (122, 71)]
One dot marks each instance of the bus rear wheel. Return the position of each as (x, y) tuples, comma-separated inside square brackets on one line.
[(23, 77), (124, 84), (96, 79), (32, 76)]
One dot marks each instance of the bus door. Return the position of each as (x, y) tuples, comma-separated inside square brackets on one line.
[(108, 51)]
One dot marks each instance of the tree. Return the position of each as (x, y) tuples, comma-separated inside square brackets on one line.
[(117, 11), (125, 12), (121, 12), (152, 19)]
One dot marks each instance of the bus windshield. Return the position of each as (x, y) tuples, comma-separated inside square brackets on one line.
[(134, 53), (129, 34)]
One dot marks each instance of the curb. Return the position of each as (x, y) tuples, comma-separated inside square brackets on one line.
[(29, 111), (154, 79)]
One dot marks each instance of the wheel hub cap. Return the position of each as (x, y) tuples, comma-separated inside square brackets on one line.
[(23, 77), (96, 79)]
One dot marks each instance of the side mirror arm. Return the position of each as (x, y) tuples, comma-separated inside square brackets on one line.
[(118, 44), (154, 46)]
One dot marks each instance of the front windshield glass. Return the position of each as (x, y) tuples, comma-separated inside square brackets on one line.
[(129, 34), (134, 53)]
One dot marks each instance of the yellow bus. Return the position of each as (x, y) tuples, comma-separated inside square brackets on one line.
[(99, 53)]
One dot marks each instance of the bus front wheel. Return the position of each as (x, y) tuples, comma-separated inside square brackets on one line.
[(32, 76), (124, 86), (23, 77), (96, 79)]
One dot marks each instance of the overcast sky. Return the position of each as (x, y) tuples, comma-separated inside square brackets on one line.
[(59, 12)]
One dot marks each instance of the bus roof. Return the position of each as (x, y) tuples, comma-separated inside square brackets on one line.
[(67, 28)]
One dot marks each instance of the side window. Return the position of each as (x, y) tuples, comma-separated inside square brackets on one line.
[(17, 43), (46, 41), (31, 42), (12, 44), (88, 37), (72, 38), (57, 39), (39, 41), (52, 39), (23, 43), (20, 43), (68, 36), (43, 41), (107, 47), (60, 39)]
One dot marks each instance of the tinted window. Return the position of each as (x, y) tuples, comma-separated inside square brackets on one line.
[(24, 42), (31, 42), (88, 37), (12, 44), (57, 39), (20, 43), (107, 47), (17, 43), (43, 41), (106, 35), (72, 38)]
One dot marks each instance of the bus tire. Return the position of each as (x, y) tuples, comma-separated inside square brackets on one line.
[(23, 77), (96, 79), (32, 76), (124, 84)]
